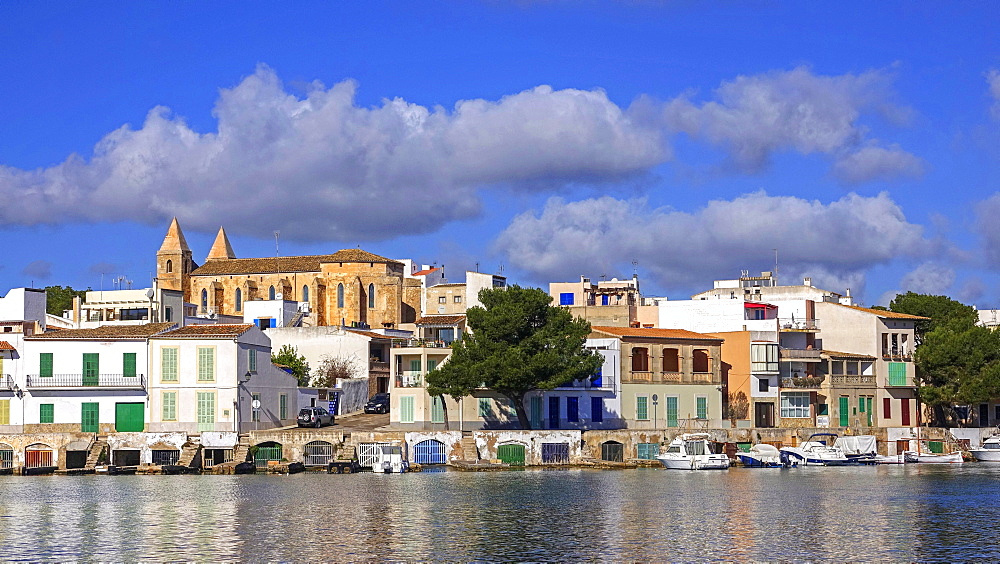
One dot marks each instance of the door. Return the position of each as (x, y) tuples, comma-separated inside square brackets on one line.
[(90, 369), (763, 414), (90, 418), (511, 454), (671, 411), (429, 452), (129, 417), (206, 411), (868, 409), (904, 411), (845, 412), (553, 412), (536, 412), (437, 410)]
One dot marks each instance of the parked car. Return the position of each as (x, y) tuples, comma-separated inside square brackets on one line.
[(379, 403), (314, 417)]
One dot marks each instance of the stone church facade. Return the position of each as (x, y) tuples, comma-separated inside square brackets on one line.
[(349, 287)]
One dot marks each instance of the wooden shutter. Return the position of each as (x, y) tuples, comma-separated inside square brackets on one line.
[(128, 364), (45, 365), (169, 411), (206, 364), (406, 409), (4, 412), (671, 409)]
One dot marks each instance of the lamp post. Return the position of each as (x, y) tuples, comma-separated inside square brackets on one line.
[(239, 399)]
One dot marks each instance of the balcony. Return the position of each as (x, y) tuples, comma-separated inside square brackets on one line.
[(793, 324), (376, 367), (853, 380), (6, 382), (84, 381), (410, 379), (799, 355), (419, 344), (897, 353), (803, 382)]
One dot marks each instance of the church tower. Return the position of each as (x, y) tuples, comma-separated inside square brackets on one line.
[(173, 261), (221, 249)]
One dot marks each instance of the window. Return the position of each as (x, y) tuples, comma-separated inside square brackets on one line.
[(128, 365), (795, 404), (168, 364), (764, 357), (897, 373), (641, 408), (484, 407), (458, 299), (671, 411), (887, 408), (415, 365), (437, 410), (239, 299), (442, 300), (431, 364), (270, 293), (170, 266), (701, 362), (45, 365), (169, 408), (204, 299), (206, 364), (4, 412), (91, 369), (371, 296), (836, 367), (406, 409), (597, 410), (46, 413), (701, 407), (573, 409), (305, 293), (255, 413), (671, 360), (340, 295), (536, 412), (763, 385), (640, 359), (566, 298), (206, 411), (168, 314), (283, 406), (845, 416), (252, 361)]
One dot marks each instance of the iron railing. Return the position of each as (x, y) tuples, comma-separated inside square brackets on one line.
[(799, 354), (121, 381), (6, 382), (802, 382), (796, 324)]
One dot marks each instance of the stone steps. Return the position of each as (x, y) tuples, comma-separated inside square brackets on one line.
[(469, 451), (189, 451), (94, 453)]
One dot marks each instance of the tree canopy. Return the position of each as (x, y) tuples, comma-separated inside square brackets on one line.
[(518, 343), (289, 356), (60, 298), (941, 310)]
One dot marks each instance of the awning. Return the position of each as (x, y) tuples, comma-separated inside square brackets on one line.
[(756, 305)]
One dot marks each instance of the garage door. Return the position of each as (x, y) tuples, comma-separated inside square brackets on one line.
[(129, 417)]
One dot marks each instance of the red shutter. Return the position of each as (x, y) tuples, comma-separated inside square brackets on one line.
[(905, 408), (886, 408)]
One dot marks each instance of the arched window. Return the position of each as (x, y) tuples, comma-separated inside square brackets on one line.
[(239, 299), (204, 298), (371, 296), (170, 266), (305, 293), (270, 293), (340, 295)]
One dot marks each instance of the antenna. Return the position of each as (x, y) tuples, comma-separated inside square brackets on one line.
[(277, 266), (775, 277), (635, 266)]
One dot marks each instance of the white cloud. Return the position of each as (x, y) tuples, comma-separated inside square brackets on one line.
[(993, 79), (757, 116), (835, 243), (929, 278), (988, 226), (322, 167)]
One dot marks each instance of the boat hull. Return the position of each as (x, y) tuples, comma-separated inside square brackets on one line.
[(930, 458), (985, 455), (695, 462), (750, 461)]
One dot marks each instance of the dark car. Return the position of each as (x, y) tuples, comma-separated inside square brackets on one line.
[(379, 403), (314, 417)]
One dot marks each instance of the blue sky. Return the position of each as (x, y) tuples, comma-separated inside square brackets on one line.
[(549, 139)]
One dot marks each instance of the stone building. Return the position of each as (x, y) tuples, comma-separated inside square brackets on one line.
[(350, 287)]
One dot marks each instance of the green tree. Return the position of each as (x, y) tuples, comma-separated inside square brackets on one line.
[(940, 310), (518, 343), (289, 356), (60, 298)]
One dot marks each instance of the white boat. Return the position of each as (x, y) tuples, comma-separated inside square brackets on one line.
[(761, 456), (911, 456), (860, 449), (389, 460), (815, 452), (690, 451), (989, 452)]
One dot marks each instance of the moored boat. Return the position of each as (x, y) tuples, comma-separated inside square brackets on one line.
[(815, 452), (989, 452), (761, 456), (691, 451), (911, 456)]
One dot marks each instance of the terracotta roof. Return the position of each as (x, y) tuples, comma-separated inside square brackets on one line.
[(423, 272), (107, 332), (207, 331), (885, 313), (285, 264), (440, 320), (835, 354), (5, 346), (654, 333), (448, 285), (370, 334)]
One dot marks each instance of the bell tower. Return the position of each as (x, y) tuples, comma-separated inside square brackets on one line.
[(173, 261)]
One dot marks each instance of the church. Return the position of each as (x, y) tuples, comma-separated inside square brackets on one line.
[(350, 287)]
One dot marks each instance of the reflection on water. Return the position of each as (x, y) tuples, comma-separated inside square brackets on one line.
[(870, 513)]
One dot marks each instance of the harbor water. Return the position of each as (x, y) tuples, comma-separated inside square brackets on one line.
[(895, 513)]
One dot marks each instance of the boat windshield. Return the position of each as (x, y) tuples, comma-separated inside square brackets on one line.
[(674, 449), (695, 447)]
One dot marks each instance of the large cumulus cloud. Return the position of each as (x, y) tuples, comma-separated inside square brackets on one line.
[(835, 243), (323, 167)]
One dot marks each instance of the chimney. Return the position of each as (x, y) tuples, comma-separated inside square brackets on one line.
[(807, 281)]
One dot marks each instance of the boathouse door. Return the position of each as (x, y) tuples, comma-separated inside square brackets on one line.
[(511, 454), (763, 414), (429, 452), (129, 417)]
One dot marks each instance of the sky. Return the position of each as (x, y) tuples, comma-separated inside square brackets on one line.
[(856, 143)]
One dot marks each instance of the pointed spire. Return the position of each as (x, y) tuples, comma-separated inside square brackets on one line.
[(221, 249), (174, 241)]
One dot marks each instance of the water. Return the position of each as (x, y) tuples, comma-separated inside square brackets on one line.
[(896, 513)]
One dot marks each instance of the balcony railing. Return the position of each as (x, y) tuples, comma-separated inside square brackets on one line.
[(409, 380), (803, 382), (796, 324), (419, 343), (115, 381), (799, 354), (852, 380), (6, 382), (897, 354), (376, 366), (669, 378)]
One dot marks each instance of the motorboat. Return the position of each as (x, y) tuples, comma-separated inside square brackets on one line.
[(815, 451), (761, 456), (859, 449), (989, 452), (691, 451)]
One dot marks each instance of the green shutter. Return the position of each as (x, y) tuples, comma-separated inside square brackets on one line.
[(206, 364), (45, 365), (283, 407), (845, 418), (437, 410), (415, 365), (91, 369), (484, 407), (868, 402), (252, 360), (536, 412), (671, 411), (168, 365), (90, 417), (46, 413), (431, 364), (169, 406), (129, 417), (936, 447), (897, 373), (255, 414), (128, 364), (406, 409), (511, 454), (641, 409), (702, 408), (206, 411)]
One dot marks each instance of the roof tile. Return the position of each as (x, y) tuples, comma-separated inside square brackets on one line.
[(641, 332), (107, 332), (285, 264), (207, 331)]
